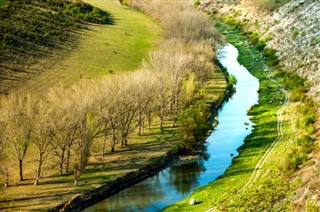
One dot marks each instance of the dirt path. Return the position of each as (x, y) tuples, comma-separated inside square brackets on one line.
[(258, 168)]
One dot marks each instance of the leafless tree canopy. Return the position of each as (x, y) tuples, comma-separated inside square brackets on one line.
[(64, 124)]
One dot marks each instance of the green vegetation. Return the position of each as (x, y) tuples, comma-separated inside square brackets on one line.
[(255, 38), (269, 194), (4, 3), (98, 130), (193, 126), (288, 154), (31, 30), (87, 52)]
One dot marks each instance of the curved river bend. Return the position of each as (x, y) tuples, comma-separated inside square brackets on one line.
[(177, 182)]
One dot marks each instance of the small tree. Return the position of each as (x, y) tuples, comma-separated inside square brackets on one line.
[(193, 125), (88, 130), (88, 124), (3, 153), (43, 133), (17, 113)]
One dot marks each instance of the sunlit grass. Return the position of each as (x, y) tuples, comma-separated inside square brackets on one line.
[(256, 144), (141, 151), (102, 49)]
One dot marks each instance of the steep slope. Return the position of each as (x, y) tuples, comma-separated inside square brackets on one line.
[(32, 30), (293, 30)]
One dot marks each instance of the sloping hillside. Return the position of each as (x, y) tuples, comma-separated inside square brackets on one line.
[(31, 30), (293, 30)]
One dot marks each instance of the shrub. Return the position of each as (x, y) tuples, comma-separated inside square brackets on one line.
[(271, 57), (193, 125)]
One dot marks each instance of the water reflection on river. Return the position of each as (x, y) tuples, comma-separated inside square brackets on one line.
[(177, 182)]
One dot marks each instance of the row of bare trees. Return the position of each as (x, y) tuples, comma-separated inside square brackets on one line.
[(63, 125)]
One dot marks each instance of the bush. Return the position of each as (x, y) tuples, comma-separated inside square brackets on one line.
[(271, 57), (176, 149), (193, 125)]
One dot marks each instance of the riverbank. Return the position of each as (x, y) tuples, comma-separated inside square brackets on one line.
[(265, 133), (146, 156), (216, 96), (117, 128)]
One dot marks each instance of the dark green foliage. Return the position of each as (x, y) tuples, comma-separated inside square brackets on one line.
[(232, 80), (79, 10), (193, 125), (271, 57), (176, 149), (261, 44), (295, 84)]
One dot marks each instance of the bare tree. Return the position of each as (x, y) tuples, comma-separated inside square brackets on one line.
[(65, 125), (163, 84), (170, 63), (89, 125), (107, 111), (42, 134), (3, 152), (17, 112), (146, 88), (87, 132)]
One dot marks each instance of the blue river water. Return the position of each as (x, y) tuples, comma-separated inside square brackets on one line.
[(177, 182)]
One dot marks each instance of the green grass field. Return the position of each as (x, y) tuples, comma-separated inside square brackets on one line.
[(102, 49), (256, 144)]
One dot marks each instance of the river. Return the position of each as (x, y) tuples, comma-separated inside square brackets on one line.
[(177, 182)]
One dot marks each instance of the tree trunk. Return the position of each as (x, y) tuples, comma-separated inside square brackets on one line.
[(61, 162), (75, 182), (113, 141), (141, 124), (103, 147), (7, 177), (142, 127), (68, 159), (20, 170), (161, 118), (112, 149), (149, 120), (123, 141), (61, 167), (39, 170), (176, 110)]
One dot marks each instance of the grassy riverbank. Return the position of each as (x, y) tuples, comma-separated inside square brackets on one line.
[(106, 116), (264, 115), (143, 150)]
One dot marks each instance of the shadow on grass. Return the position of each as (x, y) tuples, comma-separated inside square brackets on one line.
[(32, 198)]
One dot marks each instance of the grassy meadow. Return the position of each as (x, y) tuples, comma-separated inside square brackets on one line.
[(96, 52)]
